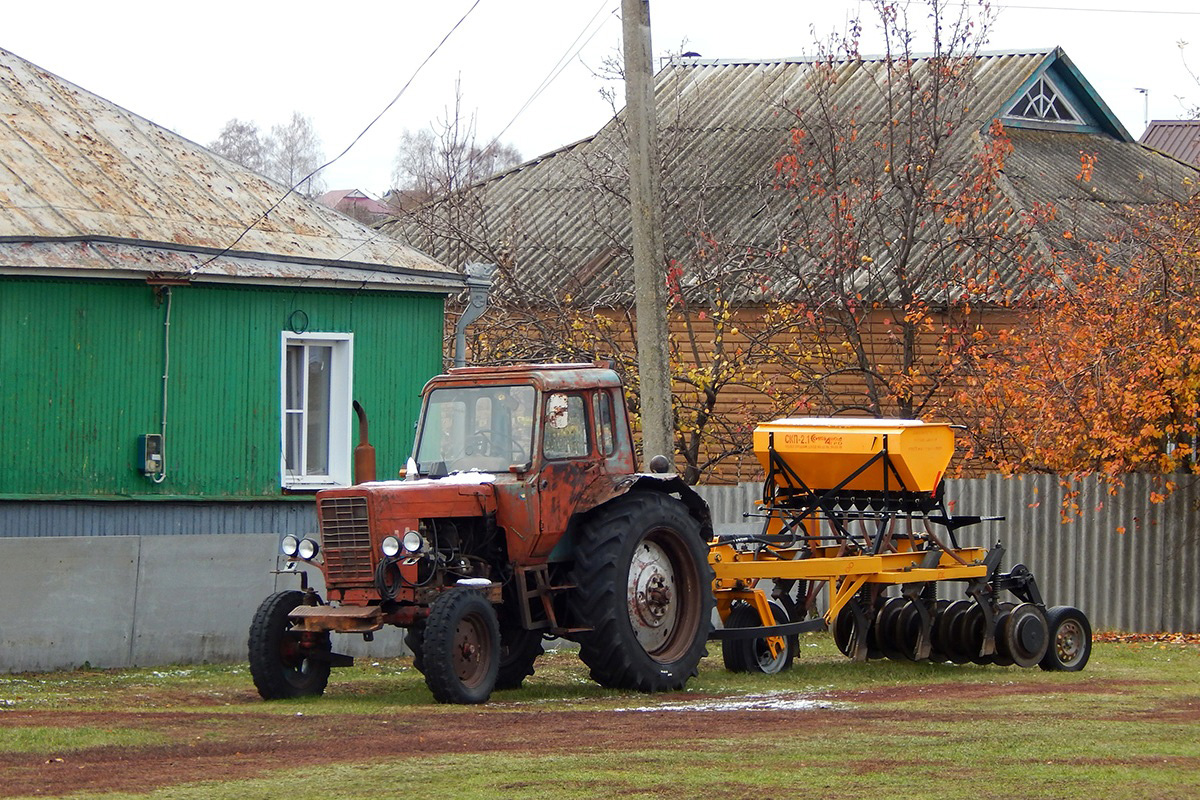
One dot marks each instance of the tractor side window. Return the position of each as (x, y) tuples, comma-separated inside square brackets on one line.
[(602, 412), (565, 427)]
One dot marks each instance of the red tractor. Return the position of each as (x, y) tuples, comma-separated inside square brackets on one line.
[(521, 516)]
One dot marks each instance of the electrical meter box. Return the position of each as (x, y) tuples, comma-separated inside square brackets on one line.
[(150, 453)]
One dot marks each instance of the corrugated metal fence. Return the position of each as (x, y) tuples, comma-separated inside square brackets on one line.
[(1144, 579)]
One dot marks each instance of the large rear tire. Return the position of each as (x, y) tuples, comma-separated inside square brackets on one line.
[(461, 653), (519, 648), (286, 663), (644, 588)]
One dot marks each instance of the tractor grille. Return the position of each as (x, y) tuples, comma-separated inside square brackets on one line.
[(346, 540)]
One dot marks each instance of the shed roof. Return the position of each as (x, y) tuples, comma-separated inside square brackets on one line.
[(724, 123), (89, 187)]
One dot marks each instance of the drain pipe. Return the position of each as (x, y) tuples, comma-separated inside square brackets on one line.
[(479, 285), (166, 290)]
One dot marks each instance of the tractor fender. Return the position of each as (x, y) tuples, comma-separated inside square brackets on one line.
[(639, 482)]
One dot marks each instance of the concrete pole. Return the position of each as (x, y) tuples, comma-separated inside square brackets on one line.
[(645, 196)]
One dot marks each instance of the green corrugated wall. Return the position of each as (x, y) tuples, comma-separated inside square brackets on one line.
[(81, 365)]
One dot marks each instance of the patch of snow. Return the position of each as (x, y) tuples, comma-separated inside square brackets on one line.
[(471, 477), (770, 701)]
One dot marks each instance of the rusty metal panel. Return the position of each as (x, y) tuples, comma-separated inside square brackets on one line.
[(77, 166)]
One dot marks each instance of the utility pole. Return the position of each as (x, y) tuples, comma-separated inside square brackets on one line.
[(645, 196)]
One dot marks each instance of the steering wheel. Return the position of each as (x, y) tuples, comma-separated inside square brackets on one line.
[(491, 439)]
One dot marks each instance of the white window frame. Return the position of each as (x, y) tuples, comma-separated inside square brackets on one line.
[(341, 390)]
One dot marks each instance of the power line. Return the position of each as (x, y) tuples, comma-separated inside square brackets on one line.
[(348, 147), (572, 50), (1006, 6)]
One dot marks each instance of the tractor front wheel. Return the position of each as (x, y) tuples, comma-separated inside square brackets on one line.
[(284, 662), (644, 589), (461, 651)]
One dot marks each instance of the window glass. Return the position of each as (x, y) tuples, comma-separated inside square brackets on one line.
[(316, 381), (1044, 102), (565, 427), (320, 366), (602, 412), (488, 428)]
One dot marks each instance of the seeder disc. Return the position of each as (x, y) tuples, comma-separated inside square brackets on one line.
[(1025, 635)]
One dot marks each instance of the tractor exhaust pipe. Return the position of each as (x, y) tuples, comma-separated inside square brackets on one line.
[(364, 453)]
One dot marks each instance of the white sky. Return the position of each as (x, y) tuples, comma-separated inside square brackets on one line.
[(192, 66)]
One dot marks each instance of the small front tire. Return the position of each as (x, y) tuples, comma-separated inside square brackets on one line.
[(461, 653), (284, 662)]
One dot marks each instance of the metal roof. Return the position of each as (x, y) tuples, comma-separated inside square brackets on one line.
[(86, 185), (1175, 137), (563, 223)]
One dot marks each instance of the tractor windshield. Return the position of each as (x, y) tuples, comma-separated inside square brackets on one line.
[(488, 428)]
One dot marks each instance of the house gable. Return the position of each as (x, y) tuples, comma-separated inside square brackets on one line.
[(1057, 97)]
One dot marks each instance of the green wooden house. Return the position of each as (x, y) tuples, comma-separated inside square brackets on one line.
[(179, 352)]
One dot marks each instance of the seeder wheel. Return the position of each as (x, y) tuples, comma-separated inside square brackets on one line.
[(754, 655), (886, 628), (1003, 658), (1070, 639)]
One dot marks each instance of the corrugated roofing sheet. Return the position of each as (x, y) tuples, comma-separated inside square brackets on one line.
[(723, 126), (76, 168), (1175, 137)]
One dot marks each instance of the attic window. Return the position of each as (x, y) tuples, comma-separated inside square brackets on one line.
[(1044, 102)]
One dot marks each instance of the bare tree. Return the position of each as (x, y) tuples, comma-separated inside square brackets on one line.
[(437, 162), (296, 154), (241, 142), (288, 154), (899, 232)]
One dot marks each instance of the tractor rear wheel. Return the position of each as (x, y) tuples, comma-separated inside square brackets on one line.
[(519, 648), (286, 663), (644, 589), (753, 655), (1070, 639), (461, 652), (414, 640)]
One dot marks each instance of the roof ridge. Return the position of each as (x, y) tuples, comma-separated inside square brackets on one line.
[(695, 61)]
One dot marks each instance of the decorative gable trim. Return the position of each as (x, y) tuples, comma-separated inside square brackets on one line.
[(1045, 102), (1056, 96)]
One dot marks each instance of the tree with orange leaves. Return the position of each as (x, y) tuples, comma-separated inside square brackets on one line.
[(1102, 373), (900, 234)]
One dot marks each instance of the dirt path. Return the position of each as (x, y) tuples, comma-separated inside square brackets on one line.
[(211, 745)]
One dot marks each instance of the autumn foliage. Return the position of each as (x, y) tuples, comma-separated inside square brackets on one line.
[(1102, 372)]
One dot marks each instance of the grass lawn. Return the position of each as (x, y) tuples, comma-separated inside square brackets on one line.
[(1128, 726)]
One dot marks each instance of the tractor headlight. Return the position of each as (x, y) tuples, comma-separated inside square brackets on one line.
[(390, 546), (308, 549), (289, 545), (413, 542)]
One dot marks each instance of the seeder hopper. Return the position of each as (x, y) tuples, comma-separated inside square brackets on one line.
[(856, 507)]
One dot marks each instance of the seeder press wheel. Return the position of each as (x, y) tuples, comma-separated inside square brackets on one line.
[(1059, 638)]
